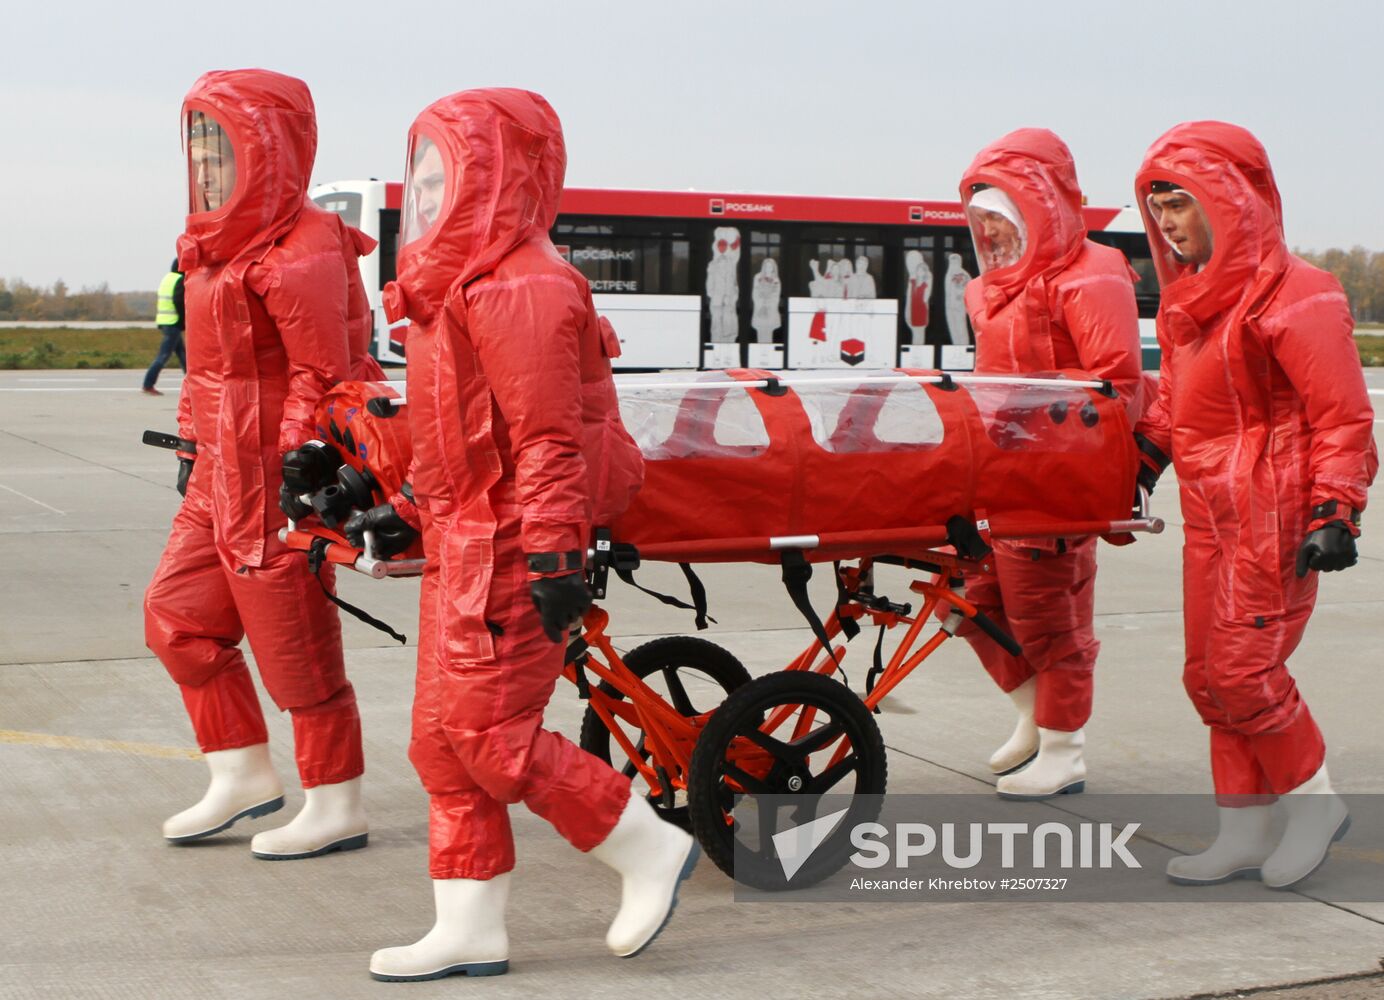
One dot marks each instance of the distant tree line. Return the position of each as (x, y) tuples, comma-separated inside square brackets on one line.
[(1361, 273), (20, 300)]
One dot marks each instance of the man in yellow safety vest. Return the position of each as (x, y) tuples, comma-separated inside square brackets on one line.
[(170, 322)]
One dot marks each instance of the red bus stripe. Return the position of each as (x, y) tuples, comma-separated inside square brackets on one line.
[(777, 208)]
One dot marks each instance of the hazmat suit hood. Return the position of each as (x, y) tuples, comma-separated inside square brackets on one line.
[(1035, 170), (271, 125), (1227, 171), (503, 160)]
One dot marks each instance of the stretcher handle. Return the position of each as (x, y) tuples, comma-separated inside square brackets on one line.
[(987, 625), (885, 377), (172, 442)]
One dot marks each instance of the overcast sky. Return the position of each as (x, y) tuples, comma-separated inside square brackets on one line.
[(828, 98)]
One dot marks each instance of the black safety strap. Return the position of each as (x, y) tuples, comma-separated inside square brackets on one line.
[(316, 556), (796, 572), (698, 592), (577, 655), (877, 670), (850, 628)]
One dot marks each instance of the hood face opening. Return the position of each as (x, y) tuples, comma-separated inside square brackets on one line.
[(1023, 204), (211, 163), (484, 174), (427, 185), (1180, 230), (1227, 245), (250, 139), (999, 231)]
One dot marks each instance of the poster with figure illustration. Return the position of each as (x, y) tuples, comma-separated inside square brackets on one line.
[(958, 323), (917, 292), (723, 284), (766, 294), (842, 333)]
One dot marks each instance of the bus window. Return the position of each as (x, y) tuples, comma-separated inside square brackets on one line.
[(679, 262), (344, 203), (627, 264), (839, 265), (389, 244), (1135, 247), (617, 265), (932, 277), (766, 287)]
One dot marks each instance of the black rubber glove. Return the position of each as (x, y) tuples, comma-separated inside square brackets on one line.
[(184, 474), (294, 508), (1329, 548), (392, 533), (561, 601), (1152, 462), (311, 467)]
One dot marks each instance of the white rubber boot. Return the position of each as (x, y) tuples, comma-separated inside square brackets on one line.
[(1059, 768), (243, 785), (1317, 818), (1019, 749), (1243, 840), (468, 939), (653, 857), (332, 819)]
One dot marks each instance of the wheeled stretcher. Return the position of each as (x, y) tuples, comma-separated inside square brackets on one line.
[(913, 470)]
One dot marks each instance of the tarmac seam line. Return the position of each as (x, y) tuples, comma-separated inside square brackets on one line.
[(86, 461), (32, 499), (52, 741), (1249, 991)]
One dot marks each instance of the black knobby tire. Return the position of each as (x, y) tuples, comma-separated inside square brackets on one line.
[(711, 800), (673, 656)]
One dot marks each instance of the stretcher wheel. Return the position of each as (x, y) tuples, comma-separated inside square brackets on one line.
[(696, 676), (800, 754)]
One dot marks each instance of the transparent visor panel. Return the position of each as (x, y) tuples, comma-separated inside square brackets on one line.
[(1039, 419), (709, 417), (1179, 230), (425, 189), (997, 228), (211, 166)]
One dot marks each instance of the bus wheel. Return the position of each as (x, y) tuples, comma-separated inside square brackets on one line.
[(764, 762), (693, 676)]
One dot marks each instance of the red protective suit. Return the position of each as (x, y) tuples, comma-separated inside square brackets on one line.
[(276, 315), (1263, 408), (518, 446), (1067, 303)]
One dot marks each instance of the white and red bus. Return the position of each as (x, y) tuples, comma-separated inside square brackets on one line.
[(702, 280)]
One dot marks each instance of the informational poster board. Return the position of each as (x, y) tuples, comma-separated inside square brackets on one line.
[(655, 331), (842, 333), (768, 356)]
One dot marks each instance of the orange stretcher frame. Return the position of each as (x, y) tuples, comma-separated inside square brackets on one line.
[(659, 742), (670, 738)]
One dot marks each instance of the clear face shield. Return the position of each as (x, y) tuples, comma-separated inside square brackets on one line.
[(211, 168), (997, 228), (1180, 234), (425, 189)]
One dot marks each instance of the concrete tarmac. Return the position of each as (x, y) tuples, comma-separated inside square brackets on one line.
[(95, 751)]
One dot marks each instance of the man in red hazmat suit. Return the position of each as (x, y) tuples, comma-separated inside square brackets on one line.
[(1263, 411), (1047, 299), (518, 451), (276, 315)]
